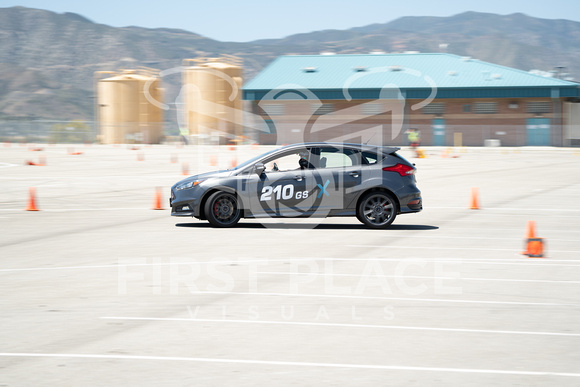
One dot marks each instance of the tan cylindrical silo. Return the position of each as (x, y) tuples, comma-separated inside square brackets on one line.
[(211, 110), (125, 113)]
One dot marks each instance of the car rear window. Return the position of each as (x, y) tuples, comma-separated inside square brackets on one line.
[(371, 157)]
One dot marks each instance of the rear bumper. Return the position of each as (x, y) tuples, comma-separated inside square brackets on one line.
[(412, 204)]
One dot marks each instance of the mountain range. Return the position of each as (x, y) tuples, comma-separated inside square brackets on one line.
[(48, 60)]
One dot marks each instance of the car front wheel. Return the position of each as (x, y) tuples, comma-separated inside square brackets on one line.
[(377, 210), (222, 210)]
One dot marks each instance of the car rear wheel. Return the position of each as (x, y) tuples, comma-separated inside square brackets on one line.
[(377, 210), (222, 210)]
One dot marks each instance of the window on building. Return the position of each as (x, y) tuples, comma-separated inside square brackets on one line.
[(320, 110), (277, 109), (537, 107), (269, 126), (467, 108), (485, 107), (434, 108), (370, 108)]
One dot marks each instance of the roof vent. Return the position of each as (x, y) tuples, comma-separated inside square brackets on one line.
[(452, 73), (310, 69), (327, 53), (396, 68), (377, 52), (466, 58), (495, 76), (359, 69)]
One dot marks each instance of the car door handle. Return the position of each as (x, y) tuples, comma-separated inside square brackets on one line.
[(299, 178), (354, 174)]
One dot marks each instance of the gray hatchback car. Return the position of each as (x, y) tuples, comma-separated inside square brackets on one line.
[(375, 184)]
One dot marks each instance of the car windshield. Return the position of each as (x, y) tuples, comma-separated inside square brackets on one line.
[(253, 160)]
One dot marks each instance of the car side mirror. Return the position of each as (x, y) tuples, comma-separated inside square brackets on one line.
[(259, 168)]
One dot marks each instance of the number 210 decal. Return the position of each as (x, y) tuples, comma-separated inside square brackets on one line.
[(282, 192)]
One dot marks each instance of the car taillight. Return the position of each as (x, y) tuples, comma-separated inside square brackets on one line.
[(401, 169)]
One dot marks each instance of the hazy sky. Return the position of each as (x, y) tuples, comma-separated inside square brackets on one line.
[(241, 21)]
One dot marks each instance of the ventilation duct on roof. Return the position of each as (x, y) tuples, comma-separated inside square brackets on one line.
[(359, 69), (310, 69), (396, 68)]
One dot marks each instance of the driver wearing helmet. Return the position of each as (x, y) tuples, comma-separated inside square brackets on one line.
[(303, 162)]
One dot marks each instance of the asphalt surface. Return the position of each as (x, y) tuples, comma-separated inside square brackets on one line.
[(100, 289)]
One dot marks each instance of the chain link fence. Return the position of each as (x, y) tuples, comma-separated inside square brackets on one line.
[(43, 131)]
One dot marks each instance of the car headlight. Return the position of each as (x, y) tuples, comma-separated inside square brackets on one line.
[(188, 184)]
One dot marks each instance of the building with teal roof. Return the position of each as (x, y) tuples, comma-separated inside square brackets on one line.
[(451, 100)]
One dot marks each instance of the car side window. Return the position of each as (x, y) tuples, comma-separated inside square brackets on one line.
[(300, 159), (338, 158)]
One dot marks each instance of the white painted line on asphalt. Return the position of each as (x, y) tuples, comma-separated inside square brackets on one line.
[(522, 229), (523, 209), (461, 330), (455, 248), (486, 261), (286, 363), (139, 177), (495, 214), (488, 238), (81, 209), (385, 298), (420, 277)]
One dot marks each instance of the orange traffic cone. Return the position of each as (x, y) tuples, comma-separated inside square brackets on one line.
[(535, 248), (531, 229), (534, 245), (233, 162), (41, 162), (474, 199), (213, 160), (184, 169), (32, 200), (157, 201), (173, 158)]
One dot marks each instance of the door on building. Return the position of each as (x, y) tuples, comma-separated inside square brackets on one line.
[(538, 131), (438, 126)]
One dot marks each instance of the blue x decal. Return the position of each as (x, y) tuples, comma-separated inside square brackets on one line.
[(323, 189)]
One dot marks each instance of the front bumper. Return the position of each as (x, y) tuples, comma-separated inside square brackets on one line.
[(184, 203)]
